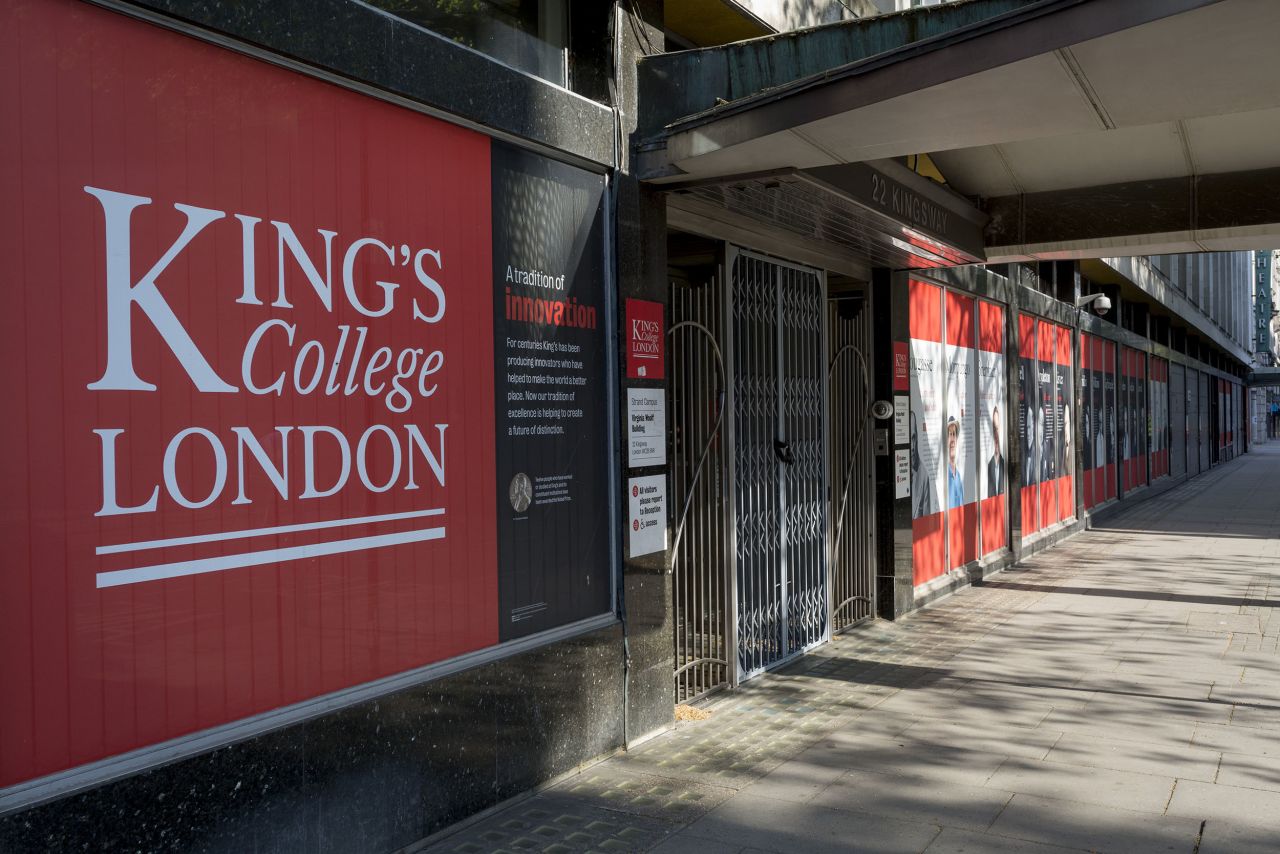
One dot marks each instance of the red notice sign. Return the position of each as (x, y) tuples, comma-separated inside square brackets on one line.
[(901, 366), (646, 342)]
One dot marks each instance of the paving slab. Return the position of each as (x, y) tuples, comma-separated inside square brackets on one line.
[(1259, 676), (1121, 789), (1257, 717), (1115, 708), (784, 826), (873, 724), (1221, 837), (1237, 739), (1250, 656), (1029, 743), (1183, 687), (557, 826), (683, 843), (1232, 804), (1178, 645), (1095, 828), (624, 790), (956, 841), (1151, 730), (938, 802), (1217, 669), (1255, 693), (1249, 771), (975, 710), (1187, 763), (800, 779), (1005, 692), (933, 759), (1226, 623)]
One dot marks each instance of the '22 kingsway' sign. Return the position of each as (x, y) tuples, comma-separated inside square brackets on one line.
[(304, 389)]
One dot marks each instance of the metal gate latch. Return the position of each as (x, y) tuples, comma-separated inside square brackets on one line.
[(783, 450)]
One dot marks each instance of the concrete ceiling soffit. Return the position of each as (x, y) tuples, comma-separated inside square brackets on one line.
[(786, 123), (1205, 213), (712, 21)]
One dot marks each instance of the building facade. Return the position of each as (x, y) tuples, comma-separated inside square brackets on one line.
[(1263, 408)]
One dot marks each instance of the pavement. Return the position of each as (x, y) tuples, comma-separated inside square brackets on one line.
[(1119, 693)]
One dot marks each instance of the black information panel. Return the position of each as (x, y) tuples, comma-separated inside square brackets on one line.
[(550, 415), (1141, 425), (1027, 422), (1126, 414), (1099, 435), (1088, 414), (1109, 405), (1047, 425)]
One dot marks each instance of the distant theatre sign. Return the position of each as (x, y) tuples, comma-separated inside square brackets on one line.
[(305, 389)]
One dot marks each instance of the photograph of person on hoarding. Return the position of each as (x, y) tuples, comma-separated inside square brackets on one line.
[(995, 465), (955, 481)]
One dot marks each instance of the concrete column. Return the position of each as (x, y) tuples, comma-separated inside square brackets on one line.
[(894, 567), (641, 252)]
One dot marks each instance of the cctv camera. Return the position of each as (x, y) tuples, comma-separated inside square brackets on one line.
[(882, 409), (1101, 304)]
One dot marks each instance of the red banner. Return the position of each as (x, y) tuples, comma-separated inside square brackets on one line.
[(1066, 429), (249, 338), (1159, 387), (1088, 436), (1028, 419), (1128, 411), (1110, 472), (928, 549), (1141, 417), (1047, 343), (993, 464), (960, 440)]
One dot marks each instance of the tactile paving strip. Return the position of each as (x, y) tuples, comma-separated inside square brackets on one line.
[(550, 825)]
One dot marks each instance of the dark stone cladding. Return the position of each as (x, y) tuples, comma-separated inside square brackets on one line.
[(369, 46), (377, 776)]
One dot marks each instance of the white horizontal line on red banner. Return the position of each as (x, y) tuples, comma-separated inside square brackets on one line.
[(219, 564), (262, 532)]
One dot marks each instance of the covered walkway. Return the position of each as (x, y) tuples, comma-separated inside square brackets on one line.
[(1118, 693)]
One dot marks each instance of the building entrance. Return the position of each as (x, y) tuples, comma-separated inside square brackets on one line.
[(777, 432), (759, 357)]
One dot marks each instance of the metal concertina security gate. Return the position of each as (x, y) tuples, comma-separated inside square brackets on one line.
[(752, 582)]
